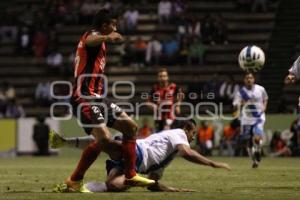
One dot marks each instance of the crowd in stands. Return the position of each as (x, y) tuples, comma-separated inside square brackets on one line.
[(33, 29), (9, 106)]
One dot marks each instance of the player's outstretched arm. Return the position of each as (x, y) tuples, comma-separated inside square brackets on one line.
[(193, 156), (159, 187), (95, 38)]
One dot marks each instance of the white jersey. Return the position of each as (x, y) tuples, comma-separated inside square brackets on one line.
[(254, 98), (157, 150), (295, 69)]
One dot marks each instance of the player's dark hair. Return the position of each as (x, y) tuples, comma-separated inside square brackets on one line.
[(101, 17), (188, 124), (162, 70), (249, 73)]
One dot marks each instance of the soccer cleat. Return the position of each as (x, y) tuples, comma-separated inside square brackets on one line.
[(60, 188), (255, 165), (55, 140), (76, 186), (257, 156), (139, 181)]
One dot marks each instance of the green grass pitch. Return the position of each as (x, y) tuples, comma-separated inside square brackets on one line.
[(31, 178)]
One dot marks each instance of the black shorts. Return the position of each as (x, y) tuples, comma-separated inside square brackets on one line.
[(93, 112)]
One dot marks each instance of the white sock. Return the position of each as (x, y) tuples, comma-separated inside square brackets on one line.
[(96, 187), (79, 142)]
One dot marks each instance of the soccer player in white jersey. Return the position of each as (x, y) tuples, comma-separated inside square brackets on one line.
[(251, 102), (294, 73), (154, 153)]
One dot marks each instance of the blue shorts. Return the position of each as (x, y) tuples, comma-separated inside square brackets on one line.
[(256, 129), (118, 164)]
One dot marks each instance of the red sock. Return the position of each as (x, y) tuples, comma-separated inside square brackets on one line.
[(88, 156), (129, 155)]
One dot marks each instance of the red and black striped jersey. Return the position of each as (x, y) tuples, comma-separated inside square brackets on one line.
[(165, 97), (89, 66)]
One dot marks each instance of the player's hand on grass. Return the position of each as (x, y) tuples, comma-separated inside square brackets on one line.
[(115, 37), (222, 165), (290, 79)]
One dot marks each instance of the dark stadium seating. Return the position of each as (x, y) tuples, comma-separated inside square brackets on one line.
[(244, 28)]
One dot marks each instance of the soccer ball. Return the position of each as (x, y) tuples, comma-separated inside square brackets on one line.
[(251, 58)]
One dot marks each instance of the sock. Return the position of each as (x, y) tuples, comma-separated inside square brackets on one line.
[(251, 149), (96, 187), (129, 155), (88, 156), (79, 142)]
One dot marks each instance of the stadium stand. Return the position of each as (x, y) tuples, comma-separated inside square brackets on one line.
[(243, 28)]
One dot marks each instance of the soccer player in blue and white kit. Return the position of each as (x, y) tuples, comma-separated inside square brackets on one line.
[(251, 102), (294, 73), (154, 153)]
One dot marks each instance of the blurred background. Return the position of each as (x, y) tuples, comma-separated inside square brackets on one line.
[(197, 41)]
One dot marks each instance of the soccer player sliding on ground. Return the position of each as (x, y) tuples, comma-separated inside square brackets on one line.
[(153, 153), (251, 101), (95, 113)]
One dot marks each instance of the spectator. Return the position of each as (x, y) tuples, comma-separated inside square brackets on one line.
[(55, 61), (131, 17), (139, 50), (278, 146), (260, 4), (170, 51), (24, 41), (229, 135), (220, 30), (196, 52), (43, 94), (154, 51), (14, 110), (40, 43), (164, 11), (178, 8), (182, 27), (228, 89), (145, 130), (194, 27), (207, 30), (41, 136), (7, 91), (205, 138)]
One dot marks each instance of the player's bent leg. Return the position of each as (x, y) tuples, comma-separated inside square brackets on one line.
[(89, 155), (128, 128)]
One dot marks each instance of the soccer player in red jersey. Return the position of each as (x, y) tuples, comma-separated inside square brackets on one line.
[(96, 113), (165, 98)]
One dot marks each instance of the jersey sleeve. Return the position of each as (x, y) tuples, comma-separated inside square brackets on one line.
[(93, 32), (178, 137), (295, 69), (237, 99)]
